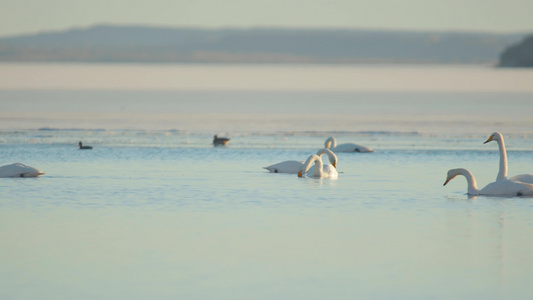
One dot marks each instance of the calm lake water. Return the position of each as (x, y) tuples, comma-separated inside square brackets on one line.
[(154, 211)]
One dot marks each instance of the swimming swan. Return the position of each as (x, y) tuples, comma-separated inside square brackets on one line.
[(502, 174), (19, 170), (500, 188), (320, 171), (331, 143), (293, 166)]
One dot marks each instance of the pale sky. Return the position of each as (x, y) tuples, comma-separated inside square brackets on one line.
[(31, 16)]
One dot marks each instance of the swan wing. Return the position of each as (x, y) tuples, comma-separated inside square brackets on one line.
[(525, 178), (329, 171), (288, 166)]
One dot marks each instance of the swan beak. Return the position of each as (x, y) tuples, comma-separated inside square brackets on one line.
[(300, 174), (490, 139), (335, 165), (447, 180)]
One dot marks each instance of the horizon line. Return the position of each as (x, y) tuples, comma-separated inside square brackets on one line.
[(263, 27)]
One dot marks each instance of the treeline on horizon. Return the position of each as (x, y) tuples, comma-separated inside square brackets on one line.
[(106, 43)]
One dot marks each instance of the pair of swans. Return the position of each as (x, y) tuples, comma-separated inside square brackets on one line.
[(319, 170), (19, 170), (520, 185), (299, 167), (331, 143), (498, 188)]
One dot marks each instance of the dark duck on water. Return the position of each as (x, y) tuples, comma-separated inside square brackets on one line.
[(84, 147), (220, 141)]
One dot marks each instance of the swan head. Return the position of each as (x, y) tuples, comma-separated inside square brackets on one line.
[(496, 136), (452, 174)]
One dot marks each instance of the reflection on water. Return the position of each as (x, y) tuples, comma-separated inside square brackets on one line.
[(267, 253)]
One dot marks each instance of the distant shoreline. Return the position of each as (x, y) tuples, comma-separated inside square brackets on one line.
[(138, 44)]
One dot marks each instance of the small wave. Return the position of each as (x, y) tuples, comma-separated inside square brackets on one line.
[(342, 132), (71, 129)]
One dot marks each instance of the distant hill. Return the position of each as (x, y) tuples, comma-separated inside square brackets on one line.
[(518, 55), (261, 45)]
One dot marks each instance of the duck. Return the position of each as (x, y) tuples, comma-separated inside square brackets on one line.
[(498, 188), (502, 173), (19, 170), (331, 143), (293, 166), (220, 141), (80, 144)]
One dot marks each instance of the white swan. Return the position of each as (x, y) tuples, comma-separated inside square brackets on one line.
[(288, 166), (19, 170), (331, 143), (320, 171), (502, 174), (293, 166), (499, 188)]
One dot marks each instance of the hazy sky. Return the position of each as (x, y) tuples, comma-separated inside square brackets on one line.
[(29, 16)]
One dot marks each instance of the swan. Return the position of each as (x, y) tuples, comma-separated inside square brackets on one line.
[(84, 147), (501, 188), (502, 174), (320, 171), (331, 143), (293, 166), (19, 170), (220, 141), (331, 156)]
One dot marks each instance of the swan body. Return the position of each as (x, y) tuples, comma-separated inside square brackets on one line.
[(293, 166), (499, 188), (84, 147), (502, 173), (331, 143), (331, 156), (19, 170), (320, 170), (288, 166)]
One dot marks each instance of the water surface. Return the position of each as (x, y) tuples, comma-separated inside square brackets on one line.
[(155, 211)]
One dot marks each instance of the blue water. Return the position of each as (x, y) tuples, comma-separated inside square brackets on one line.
[(155, 211)]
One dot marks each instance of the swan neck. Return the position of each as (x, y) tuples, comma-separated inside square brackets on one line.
[(318, 165), (472, 184), (318, 168), (331, 156), (502, 174), (331, 142)]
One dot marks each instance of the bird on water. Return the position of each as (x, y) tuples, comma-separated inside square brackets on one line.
[(222, 141), (84, 147)]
